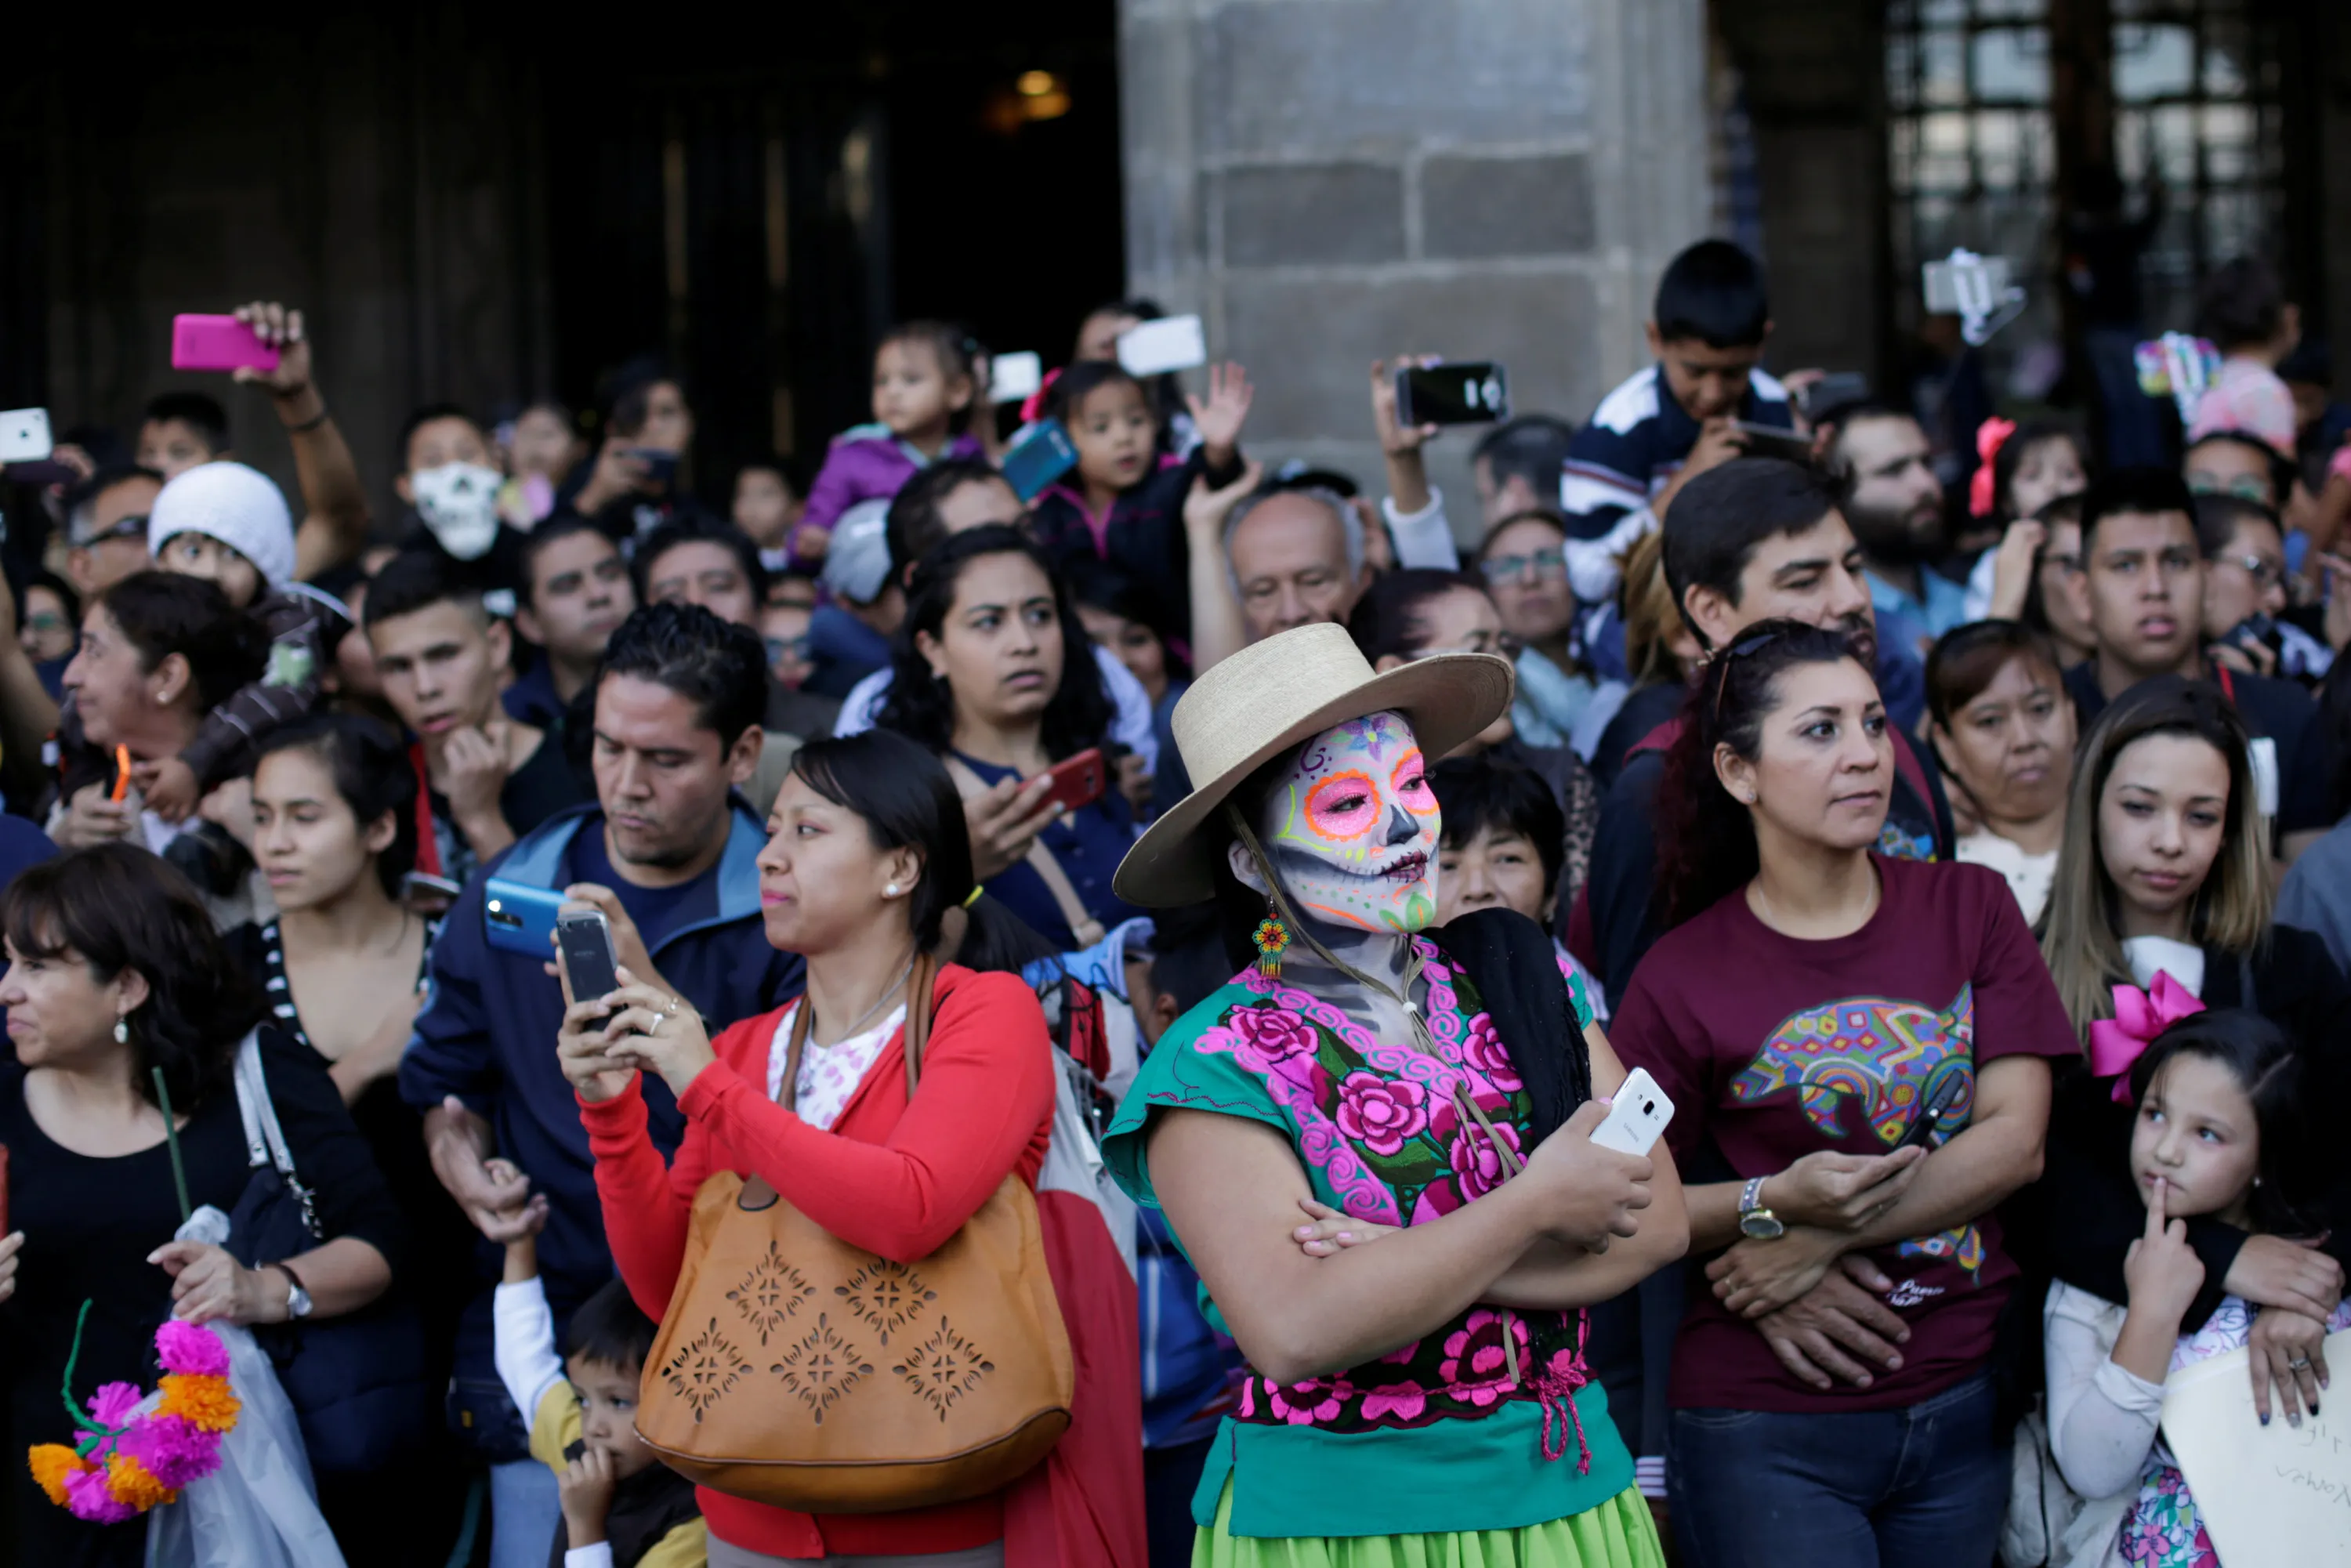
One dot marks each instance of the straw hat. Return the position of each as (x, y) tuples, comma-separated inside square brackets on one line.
[(1272, 696)]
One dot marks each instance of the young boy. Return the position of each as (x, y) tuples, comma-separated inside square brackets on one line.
[(227, 523), (621, 1508), (178, 430), (1673, 421)]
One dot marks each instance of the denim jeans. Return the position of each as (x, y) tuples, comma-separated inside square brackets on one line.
[(1924, 1487), (524, 1508)]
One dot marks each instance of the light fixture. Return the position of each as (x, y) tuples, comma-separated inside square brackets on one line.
[(1036, 84)]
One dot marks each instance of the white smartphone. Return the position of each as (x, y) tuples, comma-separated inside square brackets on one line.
[(24, 436), (1013, 377), (1636, 1116), (1170, 344)]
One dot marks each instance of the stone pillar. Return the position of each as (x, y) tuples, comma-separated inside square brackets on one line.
[(1332, 181)]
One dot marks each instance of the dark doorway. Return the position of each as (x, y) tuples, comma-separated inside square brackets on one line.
[(754, 201)]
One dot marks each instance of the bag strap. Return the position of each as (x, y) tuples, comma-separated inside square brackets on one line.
[(1082, 925), (921, 980), (265, 1141)]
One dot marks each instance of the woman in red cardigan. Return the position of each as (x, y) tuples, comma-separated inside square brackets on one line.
[(857, 890)]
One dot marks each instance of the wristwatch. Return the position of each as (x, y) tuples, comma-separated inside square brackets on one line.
[(297, 1300), (1755, 1221)]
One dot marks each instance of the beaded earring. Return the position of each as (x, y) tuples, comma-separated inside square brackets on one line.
[(1272, 937)]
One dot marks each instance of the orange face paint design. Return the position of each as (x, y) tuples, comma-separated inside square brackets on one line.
[(1342, 808), (1411, 785)]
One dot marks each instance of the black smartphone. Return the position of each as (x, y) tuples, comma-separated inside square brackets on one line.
[(660, 467), (1927, 1129), (1474, 391), (584, 941), (1771, 441), (1837, 389), (2255, 628)]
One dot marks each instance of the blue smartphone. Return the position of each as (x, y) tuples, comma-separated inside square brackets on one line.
[(1038, 455), (520, 919)]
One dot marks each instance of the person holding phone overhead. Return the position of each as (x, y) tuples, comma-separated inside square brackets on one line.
[(1376, 1144), (1812, 1002), (995, 675)]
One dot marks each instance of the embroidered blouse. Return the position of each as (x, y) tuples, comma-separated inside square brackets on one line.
[(1487, 1422)]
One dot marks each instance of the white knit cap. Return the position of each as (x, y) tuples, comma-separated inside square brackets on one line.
[(240, 506)]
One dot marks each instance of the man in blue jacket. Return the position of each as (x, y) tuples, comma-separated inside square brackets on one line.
[(666, 853)]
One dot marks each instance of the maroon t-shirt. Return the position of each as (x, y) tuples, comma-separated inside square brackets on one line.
[(1772, 1047)]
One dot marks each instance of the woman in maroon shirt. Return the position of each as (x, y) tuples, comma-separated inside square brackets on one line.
[(1854, 1045)]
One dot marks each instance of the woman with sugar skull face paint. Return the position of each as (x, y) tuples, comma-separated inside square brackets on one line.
[(1373, 1144)]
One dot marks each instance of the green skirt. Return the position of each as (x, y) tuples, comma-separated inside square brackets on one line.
[(1618, 1533)]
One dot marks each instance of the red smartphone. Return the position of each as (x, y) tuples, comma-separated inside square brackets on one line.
[(218, 343), (1078, 780)]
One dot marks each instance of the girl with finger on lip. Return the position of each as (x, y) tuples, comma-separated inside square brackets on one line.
[(2002, 731), (1861, 1046), (2162, 905), (2220, 1129)]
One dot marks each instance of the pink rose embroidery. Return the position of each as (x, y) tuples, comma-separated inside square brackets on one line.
[(1271, 1036), (1381, 1114), (1404, 1401), (1483, 1049), (1474, 1364), (1477, 1166), (1304, 1404)]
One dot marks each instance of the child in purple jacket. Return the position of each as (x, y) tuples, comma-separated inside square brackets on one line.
[(924, 391)]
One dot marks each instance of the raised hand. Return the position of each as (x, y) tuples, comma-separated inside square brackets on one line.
[(1220, 418), (281, 328)]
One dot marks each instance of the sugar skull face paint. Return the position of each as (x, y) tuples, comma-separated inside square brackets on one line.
[(1351, 828)]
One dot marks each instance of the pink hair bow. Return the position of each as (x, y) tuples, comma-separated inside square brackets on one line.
[(2139, 1016), (1990, 436), (1032, 408)]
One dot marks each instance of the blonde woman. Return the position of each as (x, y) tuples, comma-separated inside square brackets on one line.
[(2161, 907)]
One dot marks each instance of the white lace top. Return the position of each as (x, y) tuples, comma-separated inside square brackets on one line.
[(830, 1074)]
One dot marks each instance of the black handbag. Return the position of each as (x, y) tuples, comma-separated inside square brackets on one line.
[(357, 1383)]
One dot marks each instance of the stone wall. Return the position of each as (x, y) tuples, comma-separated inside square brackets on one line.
[(1332, 181)]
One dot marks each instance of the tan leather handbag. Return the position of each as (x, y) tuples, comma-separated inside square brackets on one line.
[(796, 1370)]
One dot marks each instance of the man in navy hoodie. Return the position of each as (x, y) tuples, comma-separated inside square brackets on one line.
[(666, 853)]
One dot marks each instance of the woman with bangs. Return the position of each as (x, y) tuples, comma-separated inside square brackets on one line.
[(2002, 731), (2162, 908)]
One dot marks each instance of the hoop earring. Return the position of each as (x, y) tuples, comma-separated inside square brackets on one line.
[(1272, 939)]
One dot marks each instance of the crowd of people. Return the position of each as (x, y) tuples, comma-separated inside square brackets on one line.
[(1218, 902)]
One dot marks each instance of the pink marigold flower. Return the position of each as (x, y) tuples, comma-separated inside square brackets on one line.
[(88, 1497), (112, 1404), (174, 1450), (191, 1348), (1380, 1115)]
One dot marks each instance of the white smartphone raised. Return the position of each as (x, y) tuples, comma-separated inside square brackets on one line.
[(1170, 344), (24, 436), (1011, 378), (1636, 1116)]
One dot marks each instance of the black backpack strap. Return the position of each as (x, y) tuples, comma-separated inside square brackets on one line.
[(1511, 962)]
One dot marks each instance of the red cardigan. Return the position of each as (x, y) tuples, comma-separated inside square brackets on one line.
[(893, 1177)]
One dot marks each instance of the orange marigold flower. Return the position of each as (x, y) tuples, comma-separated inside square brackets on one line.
[(134, 1486), (202, 1400), (51, 1464)]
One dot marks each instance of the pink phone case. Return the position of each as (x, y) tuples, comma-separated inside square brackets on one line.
[(217, 343)]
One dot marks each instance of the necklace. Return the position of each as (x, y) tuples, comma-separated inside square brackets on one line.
[(889, 994)]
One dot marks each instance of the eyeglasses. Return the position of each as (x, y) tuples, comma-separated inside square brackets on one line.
[(2243, 487), (134, 527), (797, 647), (44, 620), (1545, 565)]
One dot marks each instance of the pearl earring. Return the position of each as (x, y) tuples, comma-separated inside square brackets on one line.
[(891, 890), (122, 1030)]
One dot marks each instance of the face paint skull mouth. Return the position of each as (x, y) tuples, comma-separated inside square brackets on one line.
[(1412, 868)]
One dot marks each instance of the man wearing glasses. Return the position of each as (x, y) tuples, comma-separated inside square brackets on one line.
[(2245, 592), (107, 527)]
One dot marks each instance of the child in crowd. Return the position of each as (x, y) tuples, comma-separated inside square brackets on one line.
[(1673, 419), (924, 392), (178, 430), (228, 523), (770, 499), (2244, 311), (1124, 502), (2021, 468), (2221, 1133), (1503, 845), (621, 1507)]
